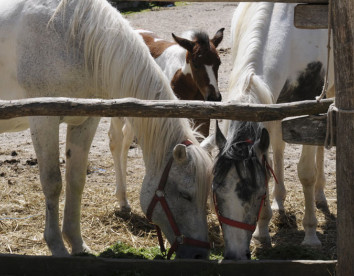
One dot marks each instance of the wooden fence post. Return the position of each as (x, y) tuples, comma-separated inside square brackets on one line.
[(343, 36)]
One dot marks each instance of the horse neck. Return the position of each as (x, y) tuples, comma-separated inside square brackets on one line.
[(185, 87), (173, 60), (250, 26)]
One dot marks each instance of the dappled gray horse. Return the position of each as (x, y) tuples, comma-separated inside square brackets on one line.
[(272, 62)]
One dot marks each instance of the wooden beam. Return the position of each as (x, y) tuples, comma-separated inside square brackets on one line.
[(311, 16), (306, 130), (343, 46), (273, 1), (58, 266), (130, 107)]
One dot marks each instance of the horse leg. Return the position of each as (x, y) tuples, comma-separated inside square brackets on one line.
[(307, 174), (278, 146), (321, 201), (120, 138), (45, 137), (261, 234), (78, 142)]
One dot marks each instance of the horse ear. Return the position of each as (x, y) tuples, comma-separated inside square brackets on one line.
[(262, 144), (180, 153), (218, 37), (219, 137), (185, 43), (208, 143)]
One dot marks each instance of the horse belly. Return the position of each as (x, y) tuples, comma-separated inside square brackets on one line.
[(14, 124), (294, 60)]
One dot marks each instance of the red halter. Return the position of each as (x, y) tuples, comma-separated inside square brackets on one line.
[(160, 197), (242, 225)]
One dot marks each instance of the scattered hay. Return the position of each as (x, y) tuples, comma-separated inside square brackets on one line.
[(22, 208)]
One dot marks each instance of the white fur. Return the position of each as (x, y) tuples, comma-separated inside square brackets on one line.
[(170, 61), (212, 78), (87, 49)]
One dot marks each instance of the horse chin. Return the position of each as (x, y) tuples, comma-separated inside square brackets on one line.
[(192, 252), (214, 97), (239, 248)]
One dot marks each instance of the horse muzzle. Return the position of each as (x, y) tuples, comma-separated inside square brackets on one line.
[(185, 251), (213, 94)]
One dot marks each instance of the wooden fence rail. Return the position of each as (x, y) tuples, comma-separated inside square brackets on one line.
[(278, 1), (130, 107)]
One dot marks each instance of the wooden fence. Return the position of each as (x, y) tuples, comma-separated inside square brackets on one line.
[(343, 38)]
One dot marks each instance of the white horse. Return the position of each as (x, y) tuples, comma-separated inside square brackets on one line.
[(191, 65), (272, 62), (86, 49)]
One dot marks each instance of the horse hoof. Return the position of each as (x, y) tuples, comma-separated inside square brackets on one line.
[(312, 242), (83, 251), (125, 209), (323, 206)]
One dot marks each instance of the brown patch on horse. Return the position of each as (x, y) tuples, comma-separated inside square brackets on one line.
[(156, 47), (182, 83)]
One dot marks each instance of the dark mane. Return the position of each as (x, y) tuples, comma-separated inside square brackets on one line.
[(201, 37), (238, 152)]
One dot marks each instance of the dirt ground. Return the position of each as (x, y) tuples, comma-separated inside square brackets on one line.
[(22, 202)]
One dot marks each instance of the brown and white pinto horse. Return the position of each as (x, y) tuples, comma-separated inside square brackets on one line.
[(191, 65)]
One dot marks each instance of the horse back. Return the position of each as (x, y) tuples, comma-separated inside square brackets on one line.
[(156, 45), (35, 57), (290, 62)]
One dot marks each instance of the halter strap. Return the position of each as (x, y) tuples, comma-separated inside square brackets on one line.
[(160, 197), (243, 225)]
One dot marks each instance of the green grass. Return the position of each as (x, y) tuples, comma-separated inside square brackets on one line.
[(123, 251)]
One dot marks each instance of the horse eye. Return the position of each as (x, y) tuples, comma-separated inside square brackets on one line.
[(185, 196)]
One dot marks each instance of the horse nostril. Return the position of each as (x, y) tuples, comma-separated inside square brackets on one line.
[(214, 98)]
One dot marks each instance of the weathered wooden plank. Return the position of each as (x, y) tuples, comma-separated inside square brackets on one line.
[(53, 266), (130, 107), (281, 1), (306, 130), (343, 46), (311, 16)]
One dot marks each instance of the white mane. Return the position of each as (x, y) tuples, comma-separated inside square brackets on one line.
[(120, 64), (248, 24)]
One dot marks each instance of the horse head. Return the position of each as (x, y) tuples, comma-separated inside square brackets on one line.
[(178, 206), (240, 184), (204, 61)]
